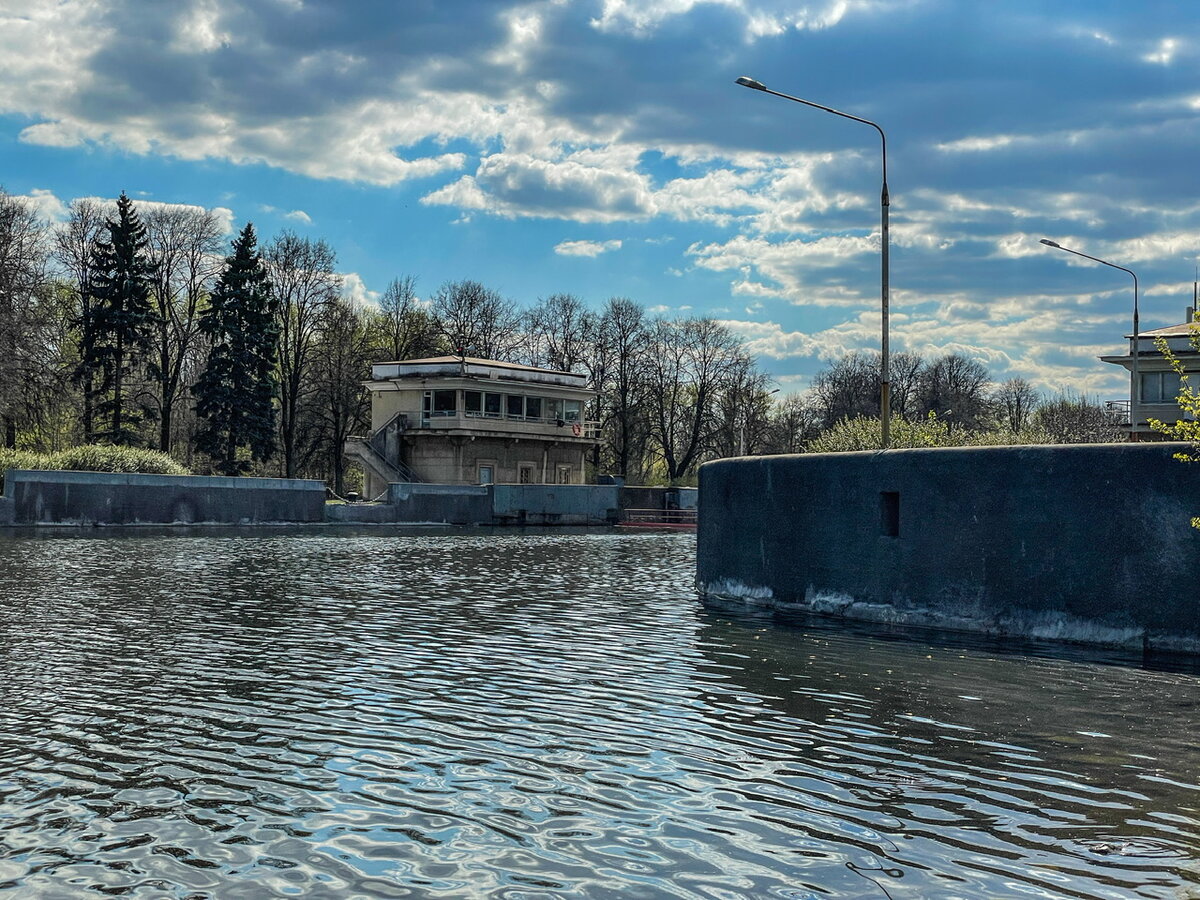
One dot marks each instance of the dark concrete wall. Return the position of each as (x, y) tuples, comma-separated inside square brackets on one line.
[(452, 504), (124, 499), (1089, 542), (555, 504)]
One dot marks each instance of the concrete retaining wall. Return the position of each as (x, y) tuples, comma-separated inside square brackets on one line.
[(555, 504), (100, 498), (453, 504), (1087, 543)]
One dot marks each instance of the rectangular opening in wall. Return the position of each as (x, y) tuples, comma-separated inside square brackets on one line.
[(889, 513)]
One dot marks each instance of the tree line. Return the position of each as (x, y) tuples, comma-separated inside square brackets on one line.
[(141, 328)]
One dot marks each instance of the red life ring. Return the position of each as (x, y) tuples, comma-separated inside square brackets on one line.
[(577, 429)]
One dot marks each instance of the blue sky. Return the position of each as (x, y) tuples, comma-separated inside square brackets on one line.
[(601, 148)]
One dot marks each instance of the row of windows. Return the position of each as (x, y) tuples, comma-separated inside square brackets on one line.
[(526, 474), (483, 404)]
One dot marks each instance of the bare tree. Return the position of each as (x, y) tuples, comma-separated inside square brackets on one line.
[(621, 340), (185, 245), (906, 371), (794, 422), (304, 283), (476, 321), (688, 362), (557, 332), (403, 330), (848, 388), (1072, 418), (74, 242), (1015, 400), (340, 403), (24, 250), (955, 388)]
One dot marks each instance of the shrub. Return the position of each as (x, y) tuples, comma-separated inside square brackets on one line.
[(92, 458), (862, 433)]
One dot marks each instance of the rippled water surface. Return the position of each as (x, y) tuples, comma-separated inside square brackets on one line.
[(540, 716)]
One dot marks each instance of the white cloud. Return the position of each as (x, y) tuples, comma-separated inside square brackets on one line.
[(356, 292), (586, 248), (298, 215), (763, 18), (1164, 53)]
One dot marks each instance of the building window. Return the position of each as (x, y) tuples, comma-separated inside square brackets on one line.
[(564, 474), (472, 403), (525, 473), (487, 474), (533, 407), (491, 405), (1159, 387), (572, 411), (516, 406), (444, 403)]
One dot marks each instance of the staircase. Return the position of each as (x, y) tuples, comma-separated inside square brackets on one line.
[(372, 452)]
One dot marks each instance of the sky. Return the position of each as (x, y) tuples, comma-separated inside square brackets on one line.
[(601, 148)]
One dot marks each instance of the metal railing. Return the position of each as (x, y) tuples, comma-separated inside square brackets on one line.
[(659, 517)]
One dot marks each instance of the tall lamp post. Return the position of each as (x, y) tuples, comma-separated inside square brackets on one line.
[(885, 383), (1137, 387)]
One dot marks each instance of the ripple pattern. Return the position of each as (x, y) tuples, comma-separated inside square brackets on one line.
[(527, 716)]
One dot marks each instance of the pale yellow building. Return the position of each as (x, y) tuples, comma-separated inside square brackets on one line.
[(1155, 396), (455, 420)]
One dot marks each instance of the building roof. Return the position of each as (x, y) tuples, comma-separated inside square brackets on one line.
[(474, 368), (473, 361), (1183, 330)]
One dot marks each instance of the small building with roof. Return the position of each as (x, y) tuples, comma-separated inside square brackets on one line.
[(462, 420), (1156, 394)]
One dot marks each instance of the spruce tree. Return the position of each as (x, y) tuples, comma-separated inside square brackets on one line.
[(117, 325), (235, 394)]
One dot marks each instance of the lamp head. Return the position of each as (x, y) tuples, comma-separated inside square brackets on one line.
[(747, 81), (1050, 244)]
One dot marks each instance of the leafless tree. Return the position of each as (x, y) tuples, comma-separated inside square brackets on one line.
[(476, 321), (848, 388), (556, 330), (955, 388), (73, 244), (340, 404), (687, 364), (905, 371), (402, 328), (794, 422), (185, 245), (24, 251), (305, 285), (620, 338), (1072, 418), (1015, 400)]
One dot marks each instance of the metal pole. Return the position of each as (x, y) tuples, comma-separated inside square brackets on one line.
[(885, 384), (1136, 387)]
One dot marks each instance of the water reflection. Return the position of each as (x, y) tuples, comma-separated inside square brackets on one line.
[(527, 716)]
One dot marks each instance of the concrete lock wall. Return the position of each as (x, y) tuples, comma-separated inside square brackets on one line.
[(452, 504), (551, 504), (1087, 543), (122, 499)]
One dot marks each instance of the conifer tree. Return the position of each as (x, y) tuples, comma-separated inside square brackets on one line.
[(117, 325), (235, 393)]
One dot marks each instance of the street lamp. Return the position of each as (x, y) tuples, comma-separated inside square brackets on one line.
[(1133, 393), (885, 385)]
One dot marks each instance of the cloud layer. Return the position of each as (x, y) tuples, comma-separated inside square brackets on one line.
[(614, 120)]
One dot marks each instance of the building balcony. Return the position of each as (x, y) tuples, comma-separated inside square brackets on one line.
[(497, 425)]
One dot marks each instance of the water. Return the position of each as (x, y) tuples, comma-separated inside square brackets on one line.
[(542, 716)]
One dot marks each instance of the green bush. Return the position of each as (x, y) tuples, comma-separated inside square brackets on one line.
[(92, 458), (862, 433)]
